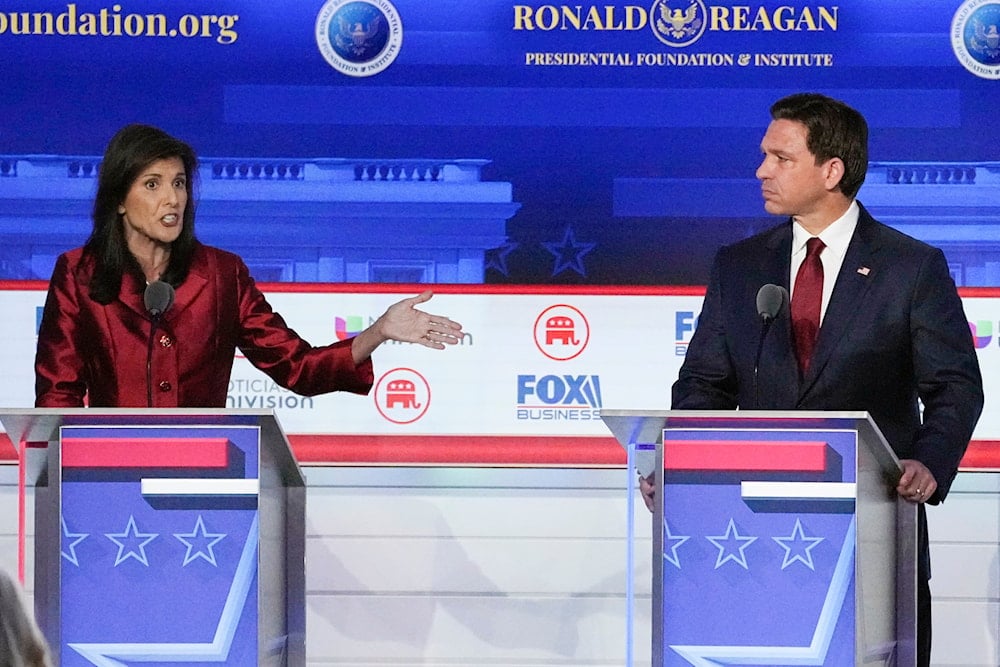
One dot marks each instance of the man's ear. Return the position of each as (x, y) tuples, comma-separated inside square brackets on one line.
[(833, 173)]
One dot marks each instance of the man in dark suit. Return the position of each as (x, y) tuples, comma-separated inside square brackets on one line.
[(875, 323)]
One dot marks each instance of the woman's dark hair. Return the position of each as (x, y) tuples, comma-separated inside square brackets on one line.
[(833, 130), (132, 149)]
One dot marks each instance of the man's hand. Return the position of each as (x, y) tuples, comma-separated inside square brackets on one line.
[(647, 487), (917, 483)]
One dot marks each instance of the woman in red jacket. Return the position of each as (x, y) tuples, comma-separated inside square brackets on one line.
[(96, 343)]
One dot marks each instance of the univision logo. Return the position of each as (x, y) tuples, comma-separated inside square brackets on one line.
[(982, 333)]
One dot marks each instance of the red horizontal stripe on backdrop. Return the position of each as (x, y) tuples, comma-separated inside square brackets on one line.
[(790, 456), (145, 452), (983, 455), (459, 450)]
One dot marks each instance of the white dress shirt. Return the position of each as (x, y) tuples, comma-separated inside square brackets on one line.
[(836, 237)]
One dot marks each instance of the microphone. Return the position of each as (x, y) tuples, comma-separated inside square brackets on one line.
[(771, 301), (158, 298)]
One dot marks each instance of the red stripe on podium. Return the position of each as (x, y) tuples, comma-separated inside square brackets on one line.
[(721, 455), (145, 452)]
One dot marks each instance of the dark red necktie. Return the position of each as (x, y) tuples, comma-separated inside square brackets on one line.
[(807, 299)]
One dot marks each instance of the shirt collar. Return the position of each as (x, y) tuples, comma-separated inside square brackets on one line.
[(835, 237)]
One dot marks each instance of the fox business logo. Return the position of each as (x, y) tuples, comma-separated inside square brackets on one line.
[(677, 23), (559, 397), (685, 322)]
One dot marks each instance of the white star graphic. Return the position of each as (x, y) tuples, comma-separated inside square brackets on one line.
[(813, 654), (674, 541), (69, 542), (200, 535), (217, 651), (733, 543), (799, 543), (132, 536)]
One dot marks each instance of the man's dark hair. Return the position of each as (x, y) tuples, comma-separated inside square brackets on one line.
[(833, 130), (131, 150)]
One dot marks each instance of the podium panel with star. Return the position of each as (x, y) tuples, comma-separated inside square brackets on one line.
[(169, 538), (778, 539)]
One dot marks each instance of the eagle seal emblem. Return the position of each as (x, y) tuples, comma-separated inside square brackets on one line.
[(678, 23), (359, 37), (975, 37)]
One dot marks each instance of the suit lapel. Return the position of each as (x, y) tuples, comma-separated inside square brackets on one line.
[(856, 273), (132, 291), (778, 359), (131, 294), (192, 286)]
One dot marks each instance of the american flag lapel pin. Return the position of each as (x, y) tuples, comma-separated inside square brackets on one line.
[(864, 270)]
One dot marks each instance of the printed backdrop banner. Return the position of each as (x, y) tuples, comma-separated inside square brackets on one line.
[(531, 367)]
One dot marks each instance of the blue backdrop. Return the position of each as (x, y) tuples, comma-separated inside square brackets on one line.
[(612, 143)]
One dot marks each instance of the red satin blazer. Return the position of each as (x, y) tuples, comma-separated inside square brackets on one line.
[(99, 352)]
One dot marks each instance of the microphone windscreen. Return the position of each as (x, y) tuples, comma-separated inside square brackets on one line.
[(158, 297), (771, 299)]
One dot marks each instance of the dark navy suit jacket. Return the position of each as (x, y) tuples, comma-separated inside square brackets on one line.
[(894, 331)]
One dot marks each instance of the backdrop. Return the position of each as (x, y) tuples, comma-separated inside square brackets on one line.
[(505, 149), (493, 141)]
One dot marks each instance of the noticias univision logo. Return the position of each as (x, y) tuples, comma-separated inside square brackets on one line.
[(982, 333), (348, 327), (359, 37)]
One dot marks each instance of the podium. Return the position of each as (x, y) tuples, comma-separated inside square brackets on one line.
[(778, 538), (164, 536)]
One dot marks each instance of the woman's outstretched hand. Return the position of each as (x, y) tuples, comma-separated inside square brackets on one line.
[(404, 322)]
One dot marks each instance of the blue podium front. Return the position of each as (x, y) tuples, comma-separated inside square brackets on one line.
[(169, 538), (778, 540)]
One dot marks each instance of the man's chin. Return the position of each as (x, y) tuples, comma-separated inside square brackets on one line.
[(774, 208)]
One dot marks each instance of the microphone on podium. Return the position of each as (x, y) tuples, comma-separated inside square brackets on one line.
[(771, 301), (158, 298)]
